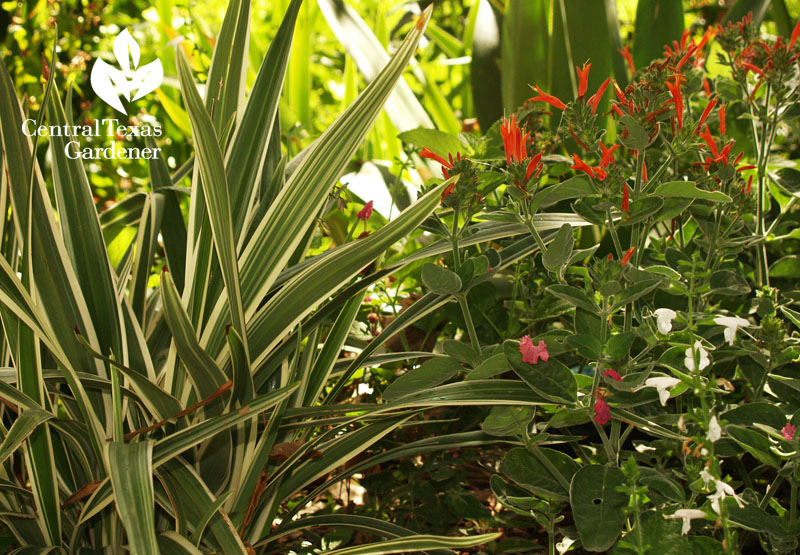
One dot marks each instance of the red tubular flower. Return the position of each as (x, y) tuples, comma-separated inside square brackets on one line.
[(428, 153), (595, 99), (677, 99), (686, 56), (581, 165), (613, 374), (583, 79), (600, 173), (602, 412), (725, 153), (644, 171), (704, 115), (532, 166), (710, 32), (620, 94), (625, 198), (550, 99), (365, 213), (626, 53), (608, 154), (712, 145), (706, 87), (722, 125), (627, 256), (514, 141), (795, 35), (751, 67)]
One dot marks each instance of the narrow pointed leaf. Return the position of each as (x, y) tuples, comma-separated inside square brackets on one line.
[(131, 469)]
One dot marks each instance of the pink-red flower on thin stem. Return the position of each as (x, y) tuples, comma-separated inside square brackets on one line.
[(613, 374), (602, 412), (788, 431), (365, 213)]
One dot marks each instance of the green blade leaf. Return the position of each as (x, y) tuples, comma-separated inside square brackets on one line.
[(658, 22), (225, 86), (82, 236), (403, 108), (321, 279), (304, 194), (416, 543), (432, 373), (130, 467), (203, 370), (22, 427), (215, 189), (525, 44), (252, 136)]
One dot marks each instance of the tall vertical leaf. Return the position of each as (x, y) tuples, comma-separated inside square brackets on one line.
[(525, 43), (658, 22), (215, 188), (130, 466)]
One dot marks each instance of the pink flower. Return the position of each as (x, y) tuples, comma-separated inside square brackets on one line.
[(532, 353), (613, 374), (602, 412), (788, 431), (365, 212)]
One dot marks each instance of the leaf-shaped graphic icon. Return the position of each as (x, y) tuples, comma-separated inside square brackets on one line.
[(126, 50), (146, 79), (108, 82)]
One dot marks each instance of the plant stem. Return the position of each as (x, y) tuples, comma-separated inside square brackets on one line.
[(462, 298), (536, 452)]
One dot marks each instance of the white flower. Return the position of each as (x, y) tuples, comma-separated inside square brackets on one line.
[(664, 318), (731, 323), (723, 490), (663, 385), (714, 430), (702, 353), (706, 476), (687, 515)]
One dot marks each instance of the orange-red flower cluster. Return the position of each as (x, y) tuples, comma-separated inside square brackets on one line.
[(515, 143)]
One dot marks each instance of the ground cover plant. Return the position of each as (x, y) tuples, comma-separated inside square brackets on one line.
[(579, 334)]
